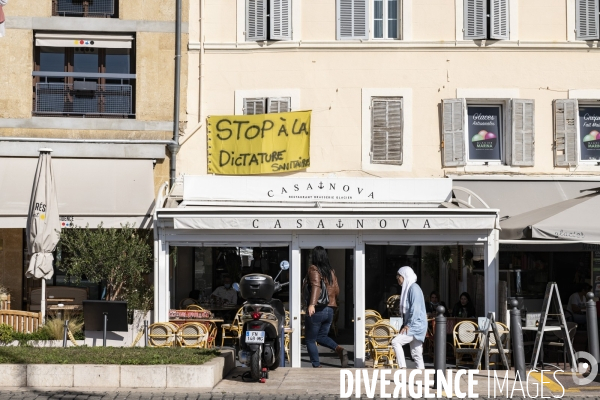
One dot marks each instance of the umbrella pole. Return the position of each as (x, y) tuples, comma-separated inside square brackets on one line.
[(43, 304)]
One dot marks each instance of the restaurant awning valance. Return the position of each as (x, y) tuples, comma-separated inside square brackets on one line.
[(90, 191), (83, 40), (573, 220)]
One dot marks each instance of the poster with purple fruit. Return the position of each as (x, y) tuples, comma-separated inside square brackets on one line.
[(589, 133), (485, 133)]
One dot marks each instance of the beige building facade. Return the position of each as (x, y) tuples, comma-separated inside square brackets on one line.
[(94, 82)]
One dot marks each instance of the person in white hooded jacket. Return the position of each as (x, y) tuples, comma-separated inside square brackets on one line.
[(2, 4), (414, 318)]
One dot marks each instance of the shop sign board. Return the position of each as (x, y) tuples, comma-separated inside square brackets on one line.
[(484, 132), (317, 189), (258, 144), (589, 133)]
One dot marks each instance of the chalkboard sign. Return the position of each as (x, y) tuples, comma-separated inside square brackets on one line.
[(93, 315)]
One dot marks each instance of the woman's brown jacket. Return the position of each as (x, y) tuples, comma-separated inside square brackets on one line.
[(314, 279)]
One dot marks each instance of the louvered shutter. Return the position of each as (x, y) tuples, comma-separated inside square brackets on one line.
[(352, 19), (253, 106), (499, 16), (279, 104), (454, 132), (523, 132), (475, 19), (565, 132), (256, 20), (586, 15), (281, 19), (386, 130)]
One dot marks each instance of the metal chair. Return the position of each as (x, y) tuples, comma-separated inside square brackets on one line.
[(560, 344), (466, 340), (380, 336), (234, 329), (161, 334), (192, 334)]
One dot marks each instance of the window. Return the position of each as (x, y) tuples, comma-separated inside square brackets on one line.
[(385, 19), (488, 132), (386, 130), (85, 8), (352, 19), (486, 19), (586, 24), (576, 132), (87, 75), (268, 20), (266, 105)]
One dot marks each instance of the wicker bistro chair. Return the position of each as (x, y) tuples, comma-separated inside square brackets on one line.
[(232, 331), (192, 334), (162, 335), (370, 321), (211, 328), (380, 336), (393, 306), (428, 345), (194, 307), (372, 312), (504, 333), (466, 341), (187, 302)]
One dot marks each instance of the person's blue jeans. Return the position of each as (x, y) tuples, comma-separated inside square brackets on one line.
[(316, 329)]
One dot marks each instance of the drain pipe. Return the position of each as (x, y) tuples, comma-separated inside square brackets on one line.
[(174, 145)]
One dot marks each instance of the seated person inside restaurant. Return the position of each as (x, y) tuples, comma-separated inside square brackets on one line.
[(433, 303), (192, 298), (577, 303), (464, 308), (225, 293)]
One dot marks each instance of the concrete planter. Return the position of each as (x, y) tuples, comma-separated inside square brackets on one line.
[(204, 376)]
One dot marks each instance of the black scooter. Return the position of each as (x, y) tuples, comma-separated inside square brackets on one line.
[(262, 321)]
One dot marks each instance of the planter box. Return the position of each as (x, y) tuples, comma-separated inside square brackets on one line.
[(204, 376)]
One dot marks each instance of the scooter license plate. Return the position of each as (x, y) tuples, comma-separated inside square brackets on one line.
[(255, 336)]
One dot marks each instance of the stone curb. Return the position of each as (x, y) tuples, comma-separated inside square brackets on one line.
[(205, 376)]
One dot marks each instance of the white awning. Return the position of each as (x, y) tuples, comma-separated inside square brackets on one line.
[(82, 40), (90, 191)]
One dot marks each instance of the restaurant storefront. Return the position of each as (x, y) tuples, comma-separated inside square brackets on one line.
[(345, 216)]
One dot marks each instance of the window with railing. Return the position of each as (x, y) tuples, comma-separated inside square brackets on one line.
[(85, 8), (84, 81)]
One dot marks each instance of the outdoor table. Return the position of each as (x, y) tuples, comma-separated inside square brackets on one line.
[(546, 329), (61, 309), (60, 300)]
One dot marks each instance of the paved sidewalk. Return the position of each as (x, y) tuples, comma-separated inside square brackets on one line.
[(305, 383)]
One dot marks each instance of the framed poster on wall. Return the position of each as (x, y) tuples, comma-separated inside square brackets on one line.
[(589, 133), (485, 134)]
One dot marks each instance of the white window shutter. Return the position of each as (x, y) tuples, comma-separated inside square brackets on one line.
[(254, 105), (386, 130), (279, 104), (475, 19), (499, 19), (453, 145), (281, 19), (586, 15), (523, 132), (256, 20), (565, 132), (352, 19)]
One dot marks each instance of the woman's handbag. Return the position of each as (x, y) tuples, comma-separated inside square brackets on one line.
[(323, 299)]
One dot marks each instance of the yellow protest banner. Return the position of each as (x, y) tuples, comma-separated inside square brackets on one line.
[(258, 144)]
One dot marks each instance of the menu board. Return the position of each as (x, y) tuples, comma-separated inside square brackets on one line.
[(485, 133), (596, 272), (589, 133)]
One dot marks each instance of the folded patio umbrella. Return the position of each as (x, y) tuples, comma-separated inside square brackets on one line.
[(43, 223)]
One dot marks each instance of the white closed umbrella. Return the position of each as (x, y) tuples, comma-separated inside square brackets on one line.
[(43, 224)]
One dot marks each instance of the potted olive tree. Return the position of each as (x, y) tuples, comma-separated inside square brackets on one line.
[(119, 259)]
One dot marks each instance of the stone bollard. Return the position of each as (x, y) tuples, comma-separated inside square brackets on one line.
[(592, 326), (65, 330), (516, 337), (439, 358)]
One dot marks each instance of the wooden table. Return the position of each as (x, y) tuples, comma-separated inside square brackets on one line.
[(61, 309), (61, 300)]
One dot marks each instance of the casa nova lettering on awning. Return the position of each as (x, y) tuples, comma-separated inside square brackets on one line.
[(333, 223)]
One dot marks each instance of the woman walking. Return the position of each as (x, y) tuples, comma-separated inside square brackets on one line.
[(414, 318), (319, 316)]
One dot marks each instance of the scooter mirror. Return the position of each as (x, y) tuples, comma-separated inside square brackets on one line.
[(284, 265), (236, 286)]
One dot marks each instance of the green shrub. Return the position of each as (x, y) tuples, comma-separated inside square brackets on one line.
[(6, 334)]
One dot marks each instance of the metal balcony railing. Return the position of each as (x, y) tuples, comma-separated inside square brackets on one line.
[(91, 100), (84, 8)]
